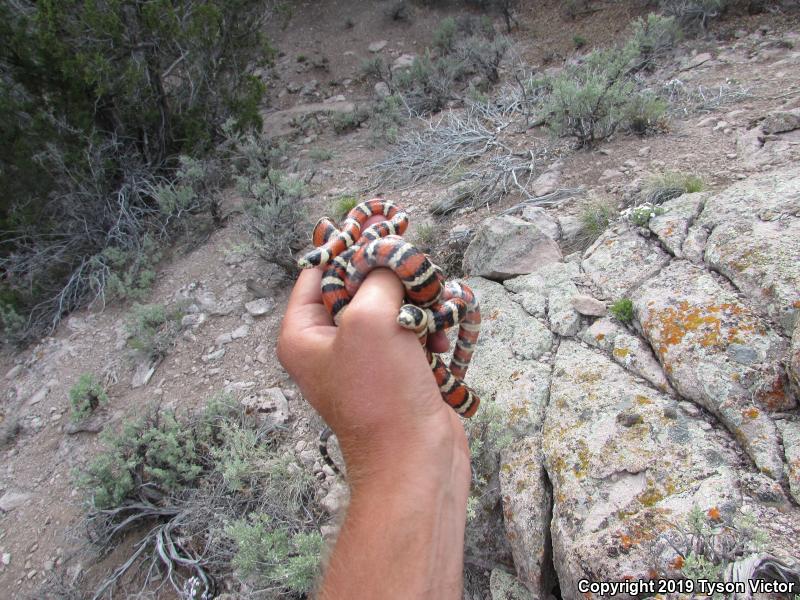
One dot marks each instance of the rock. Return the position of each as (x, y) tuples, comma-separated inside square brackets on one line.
[(644, 151), (546, 183), (679, 215), (260, 307), (377, 46), (621, 493), (507, 374), (240, 332), (6, 558), (293, 87), (13, 372), (404, 61), (505, 246), (38, 396), (793, 364), (193, 321), (13, 499), (212, 356), (754, 241), (627, 350), (222, 339), (781, 121), (143, 373), (691, 322), (93, 424), (335, 501), (309, 88), (382, 90), (554, 282), (586, 305), (540, 217), (697, 60), (527, 505), (271, 407), (620, 260), (791, 444), (504, 586), (571, 229), (609, 174)]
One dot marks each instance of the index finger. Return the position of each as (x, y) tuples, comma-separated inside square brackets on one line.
[(305, 308)]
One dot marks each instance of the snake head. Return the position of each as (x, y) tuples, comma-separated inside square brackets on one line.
[(413, 318)]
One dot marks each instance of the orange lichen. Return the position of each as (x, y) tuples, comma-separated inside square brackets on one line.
[(677, 564), (625, 541), (708, 321), (774, 398), (750, 413), (714, 514), (621, 352), (600, 337), (643, 400)]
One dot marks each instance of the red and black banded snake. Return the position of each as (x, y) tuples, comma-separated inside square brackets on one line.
[(350, 253), (433, 304)]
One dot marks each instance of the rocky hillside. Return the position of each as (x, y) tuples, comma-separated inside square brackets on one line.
[(639, 360)]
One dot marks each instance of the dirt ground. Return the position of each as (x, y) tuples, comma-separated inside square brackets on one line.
[(41, 536)]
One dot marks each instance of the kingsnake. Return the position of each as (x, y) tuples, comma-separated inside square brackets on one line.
[(433, 304)]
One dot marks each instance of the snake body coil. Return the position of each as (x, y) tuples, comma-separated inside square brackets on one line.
[(350, 253)]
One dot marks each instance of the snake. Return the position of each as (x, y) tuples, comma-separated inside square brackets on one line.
[(348, 254)]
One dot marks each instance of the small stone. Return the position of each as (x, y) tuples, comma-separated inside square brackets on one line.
[(193, 321), (586, 305), (11, 500), (629, 419), (222, 339), (382, 90), (377, 46), (240, 332), (404, 61), (31, 574), (645, 151), (38, 396), (259, 307), (216, 355), (13, 372), (610, 174), (6, 558), (720, 125)]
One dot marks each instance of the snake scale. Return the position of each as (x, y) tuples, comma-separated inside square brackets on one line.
[(349, 253)]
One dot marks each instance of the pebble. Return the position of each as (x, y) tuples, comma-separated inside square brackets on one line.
[(260, 307), (6, 558)]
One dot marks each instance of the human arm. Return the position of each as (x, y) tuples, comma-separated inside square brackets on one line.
[(405, 450)]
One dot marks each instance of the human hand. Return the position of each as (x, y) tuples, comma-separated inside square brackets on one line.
[(370, 380)]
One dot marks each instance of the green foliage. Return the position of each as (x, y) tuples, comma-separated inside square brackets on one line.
[(343, 205), (320, 154), (693, 14), (152, 329), (595, 218), (345, 122), (652, 39), (274, 556), (622, 310), (274, 214), (579, 41), (426, 235), (669, 185), (99, 100), (152, 456), (696, 567), (85, 396), (386, 119), (645, 113), (641, 215), (215, 480)]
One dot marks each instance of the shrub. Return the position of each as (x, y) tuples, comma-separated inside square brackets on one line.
[(652, 39), (273, 556), (645, 113), (641, 215), (320, 154), (99, 101), (622, 310), (344, 122), (216, 482), (669, 185), (85, 396), (595, 218), (579, 41), (152, 329), (692, 14), (343, 205), (388, 115)]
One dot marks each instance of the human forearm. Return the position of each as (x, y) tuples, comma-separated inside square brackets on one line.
[(403, 536)]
